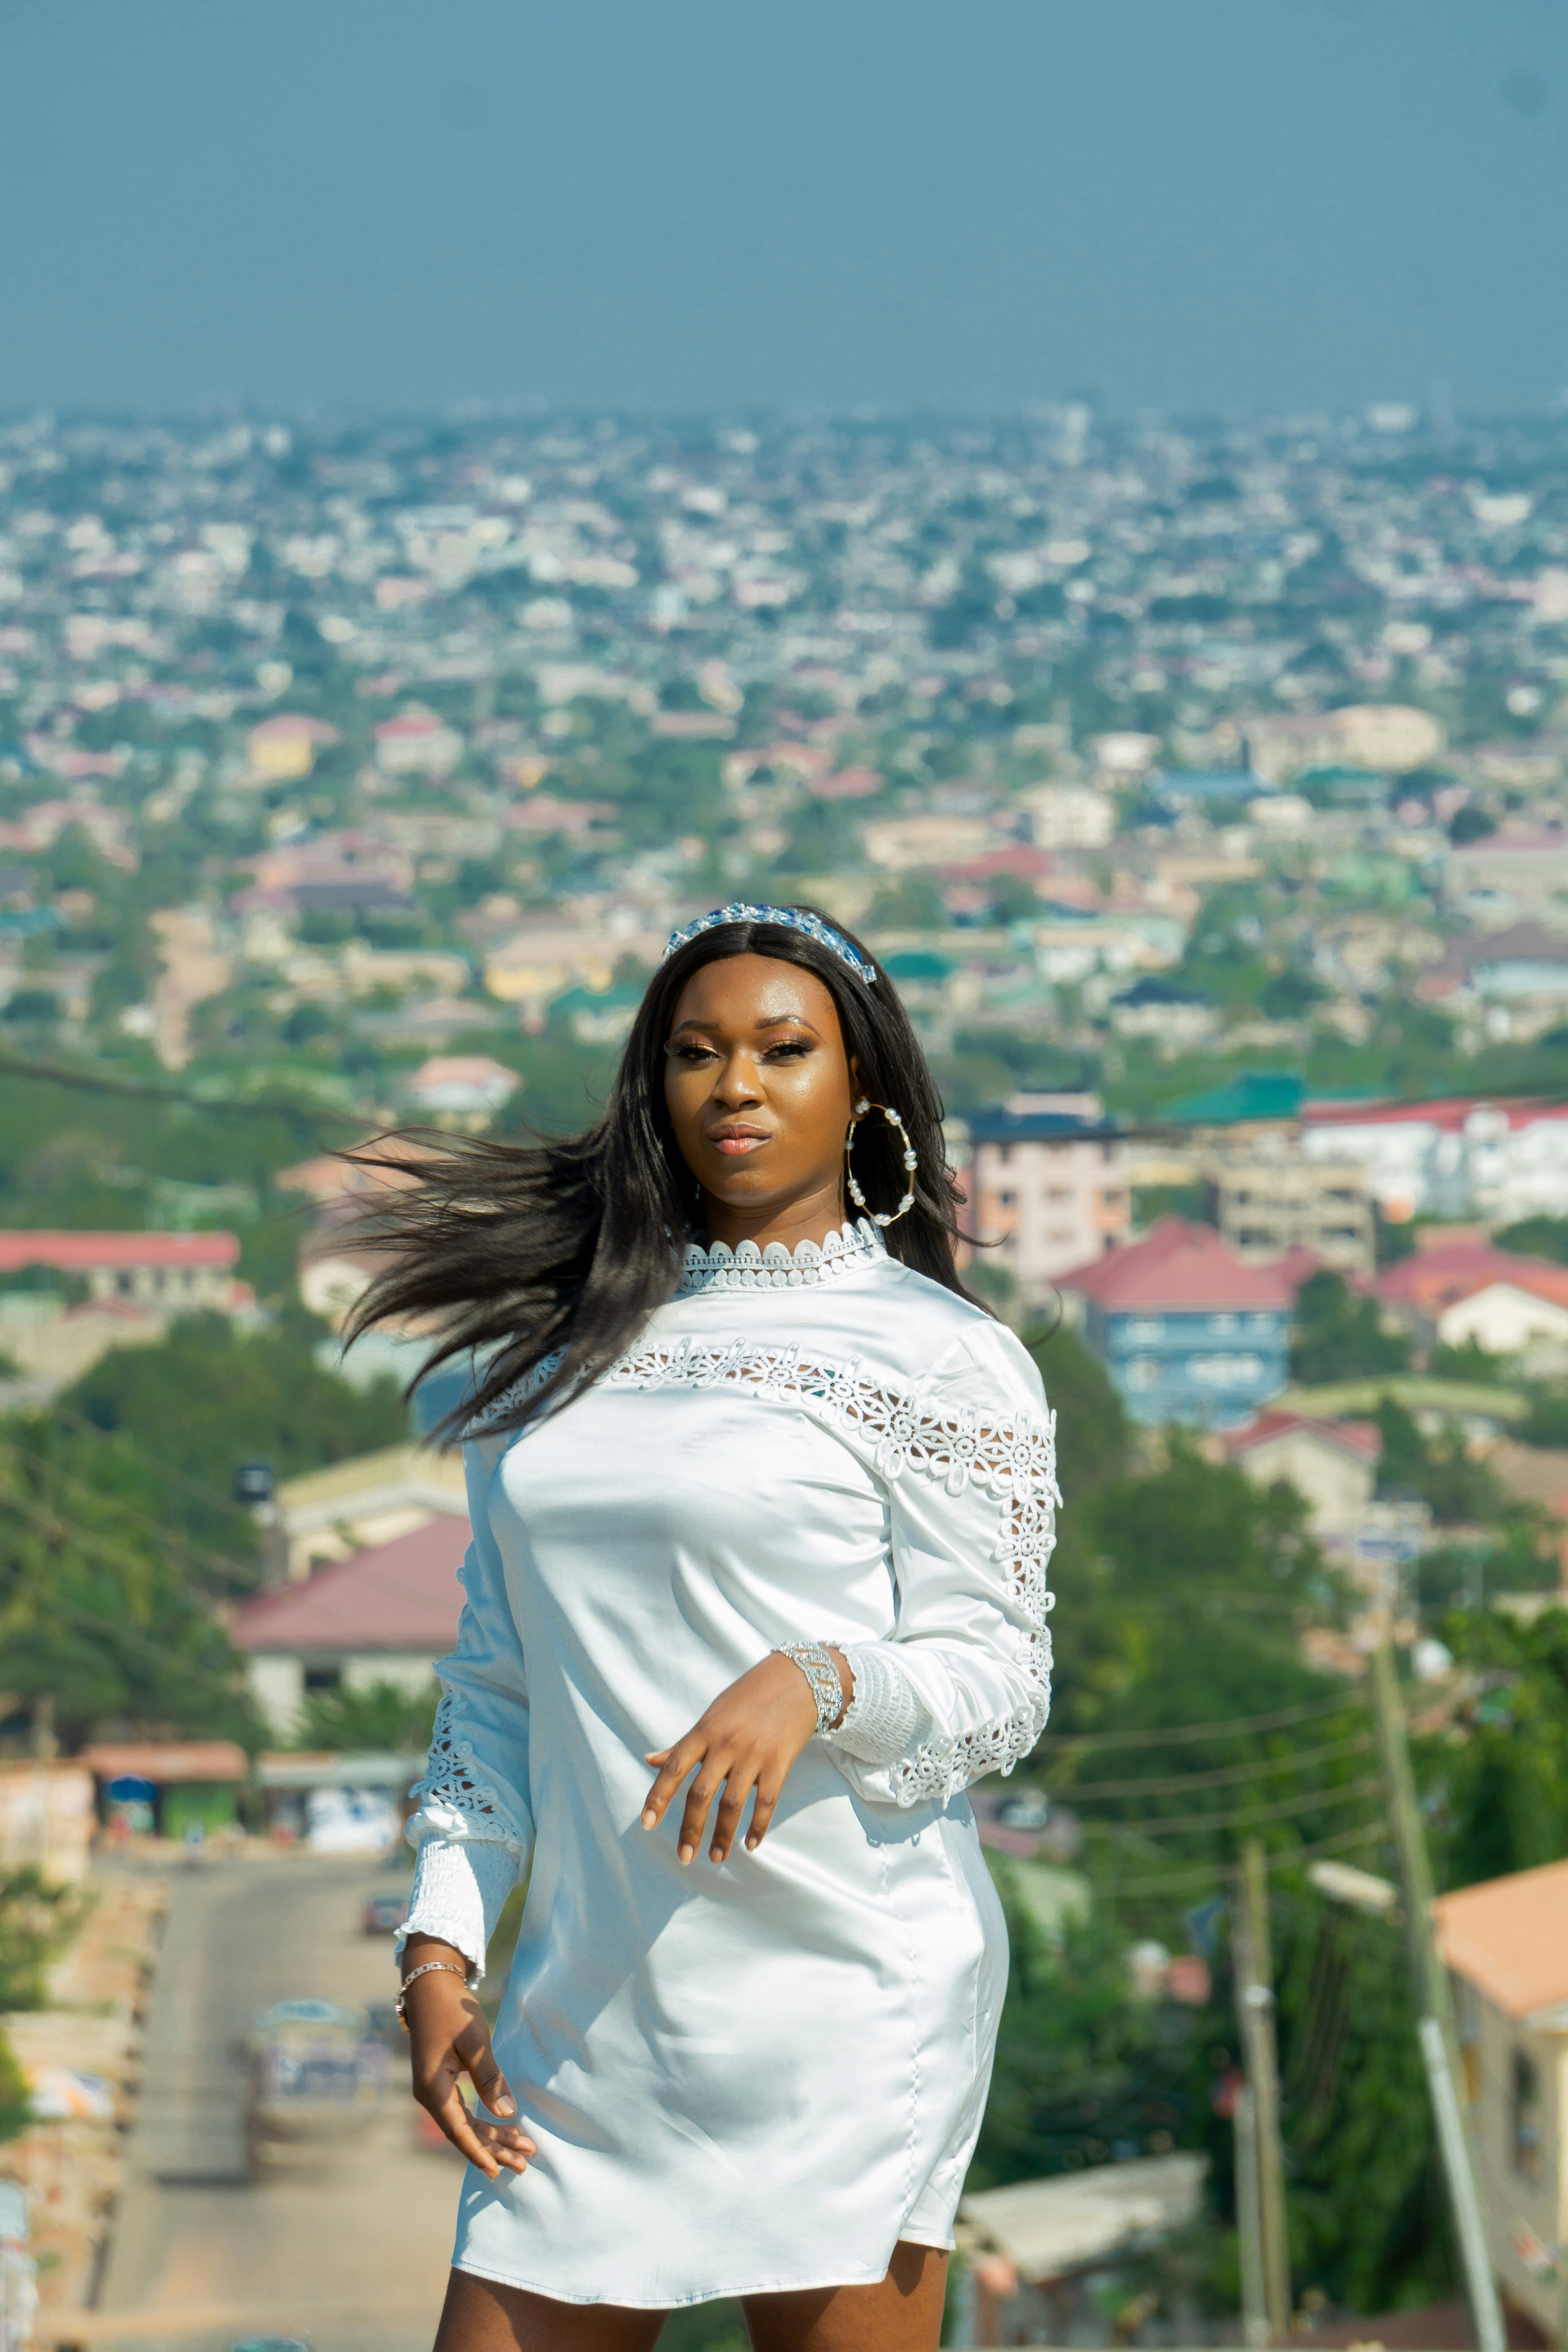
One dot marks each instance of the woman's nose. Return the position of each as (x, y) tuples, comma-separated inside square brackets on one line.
[(738, 1081)]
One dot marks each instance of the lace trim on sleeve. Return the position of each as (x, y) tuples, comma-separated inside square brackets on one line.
[(1013, 1458), (455, 1799)]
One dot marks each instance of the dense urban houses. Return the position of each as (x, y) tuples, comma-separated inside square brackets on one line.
[(1048, 1186), (1187, 1332)]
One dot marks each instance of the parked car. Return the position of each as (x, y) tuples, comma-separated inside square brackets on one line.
[(385, 1911), (317, 2075), (269, 2343)]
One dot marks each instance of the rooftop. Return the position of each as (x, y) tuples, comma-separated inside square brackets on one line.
[(1436, 1278), (173, 1763), (1179, 1268), (1509, 1938), (90, 1253), (1050, 2228), (402, 1595), (1362, 1440)]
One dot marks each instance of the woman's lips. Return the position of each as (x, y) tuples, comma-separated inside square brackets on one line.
[(735, 1147)]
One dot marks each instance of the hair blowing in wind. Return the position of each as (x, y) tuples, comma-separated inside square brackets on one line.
[(513, 1253)]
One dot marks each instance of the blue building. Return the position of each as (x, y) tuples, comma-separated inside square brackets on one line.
[(1186, 1331)]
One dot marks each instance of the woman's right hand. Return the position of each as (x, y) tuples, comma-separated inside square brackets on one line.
[(450, 2038)]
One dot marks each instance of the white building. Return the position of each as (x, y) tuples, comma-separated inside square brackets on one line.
[(1506, 1946), (1501, 1161)]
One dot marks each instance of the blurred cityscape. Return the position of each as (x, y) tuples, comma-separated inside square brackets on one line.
[(1204, 786)]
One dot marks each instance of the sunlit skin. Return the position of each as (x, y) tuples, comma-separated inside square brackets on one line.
[(760, 1092)]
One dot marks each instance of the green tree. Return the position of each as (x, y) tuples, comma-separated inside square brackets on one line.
[(1092, 1427), (1498, 1780), (1440, 1471), (1083, 2068), (97, 1612), (1339, 1337), (1537, 1237), (209, 1398), (382, 1716)]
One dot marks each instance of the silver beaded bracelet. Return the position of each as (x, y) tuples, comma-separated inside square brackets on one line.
[(822, 1675)]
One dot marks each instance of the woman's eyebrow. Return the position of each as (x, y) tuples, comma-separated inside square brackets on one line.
[(765, 1021)]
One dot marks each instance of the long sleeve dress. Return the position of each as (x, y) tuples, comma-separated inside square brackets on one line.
[(757, 2078)]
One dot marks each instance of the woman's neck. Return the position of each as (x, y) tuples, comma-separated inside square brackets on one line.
[(810, 1218)]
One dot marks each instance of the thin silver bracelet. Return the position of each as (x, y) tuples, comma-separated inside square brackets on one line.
[(449, 1967), (822, 1675)]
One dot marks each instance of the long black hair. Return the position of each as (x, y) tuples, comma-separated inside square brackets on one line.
[(512, 1253)]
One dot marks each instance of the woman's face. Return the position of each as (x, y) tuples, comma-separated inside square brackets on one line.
[(760, 1092)]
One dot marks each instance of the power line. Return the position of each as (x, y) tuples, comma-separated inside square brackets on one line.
[(1205, 1872), (1250, 1817), (214, 1495), (229, 1570), (1232, 1728), (1228, 1775), (59, 1073)]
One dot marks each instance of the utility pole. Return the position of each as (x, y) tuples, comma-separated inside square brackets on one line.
[(1255, 2005), (46, 1747), (1438, 2039), (1249, 2219)]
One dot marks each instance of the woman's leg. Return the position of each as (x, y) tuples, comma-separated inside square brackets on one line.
[(481, 2316), (902, 2314)]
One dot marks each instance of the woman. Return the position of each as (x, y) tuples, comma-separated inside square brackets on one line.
[(760, 1529)]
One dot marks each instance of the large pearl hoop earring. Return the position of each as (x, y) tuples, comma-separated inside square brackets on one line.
[(911, 1161)]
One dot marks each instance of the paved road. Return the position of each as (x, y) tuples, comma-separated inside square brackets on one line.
[(353, 2255)]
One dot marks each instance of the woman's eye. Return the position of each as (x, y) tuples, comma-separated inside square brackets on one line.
[(791, 1049)]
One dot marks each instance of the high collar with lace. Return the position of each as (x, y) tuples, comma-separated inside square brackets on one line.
[(719, 1268)]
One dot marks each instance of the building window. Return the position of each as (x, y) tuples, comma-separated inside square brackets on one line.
[(324, 1678), (1524, 2116)]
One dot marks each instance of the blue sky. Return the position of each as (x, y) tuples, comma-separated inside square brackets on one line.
[(712, 205)]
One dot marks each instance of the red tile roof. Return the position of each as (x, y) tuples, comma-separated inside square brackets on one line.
[(1448, 1114), (1362, 1438), (175, 1763), (1437, 1278), (1179, 1268), (89, 1253), (402, 1595)]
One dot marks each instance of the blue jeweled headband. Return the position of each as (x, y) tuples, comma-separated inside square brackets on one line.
[(790, 918)]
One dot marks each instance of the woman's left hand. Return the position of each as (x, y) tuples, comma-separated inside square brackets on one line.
[(748, 1739)]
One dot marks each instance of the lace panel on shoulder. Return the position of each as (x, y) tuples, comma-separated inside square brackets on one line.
[(1011, 1458)]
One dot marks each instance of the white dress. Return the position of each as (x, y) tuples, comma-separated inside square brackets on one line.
[(757, 2078)]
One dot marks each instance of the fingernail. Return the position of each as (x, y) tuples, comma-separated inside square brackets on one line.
[(687, 1852), (751, 1845), (505, 2107), (715, 1853), (649, 1819)]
